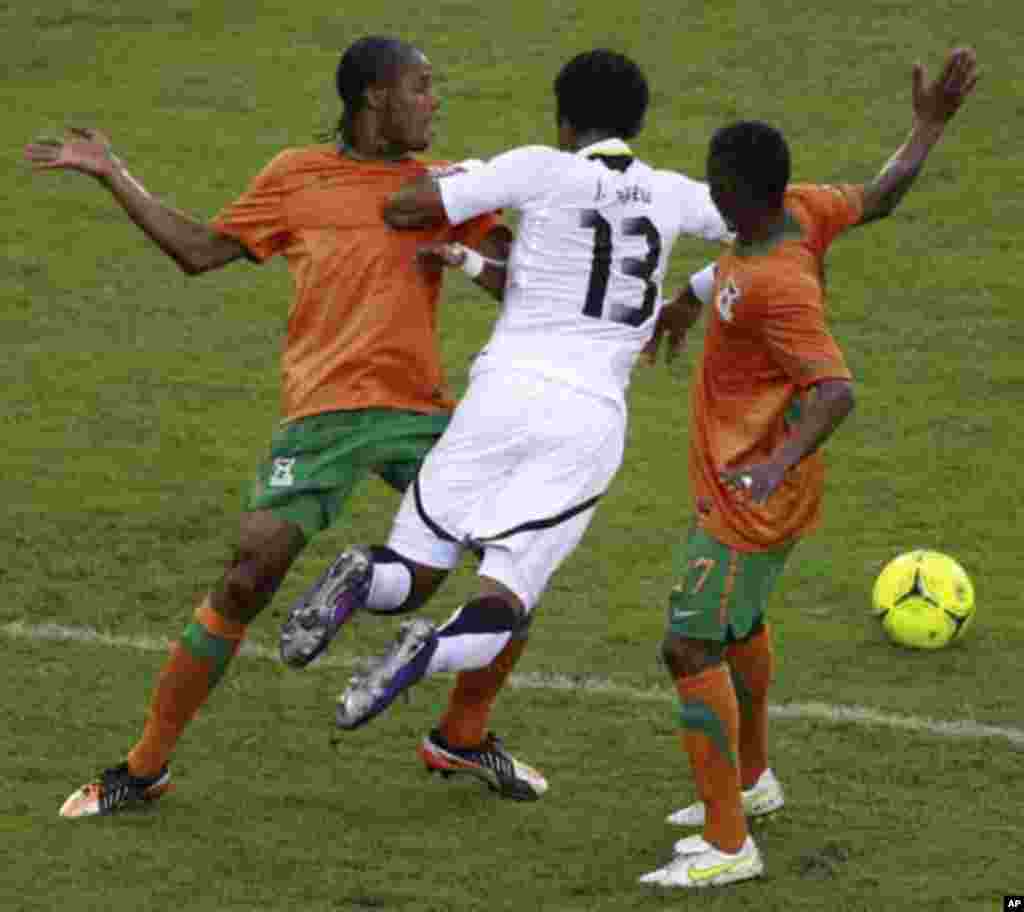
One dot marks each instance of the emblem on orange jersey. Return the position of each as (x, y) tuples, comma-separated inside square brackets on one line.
[(728, 296)]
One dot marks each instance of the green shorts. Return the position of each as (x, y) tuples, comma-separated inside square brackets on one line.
[(316, 462), (724, 593)]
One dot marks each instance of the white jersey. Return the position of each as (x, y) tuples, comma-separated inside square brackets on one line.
[(591, 251)]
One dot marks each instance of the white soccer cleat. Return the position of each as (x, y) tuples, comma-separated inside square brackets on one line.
[(701, 864), (764, 797)]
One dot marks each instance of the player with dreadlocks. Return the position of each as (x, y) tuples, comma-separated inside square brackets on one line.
[(362, 383)]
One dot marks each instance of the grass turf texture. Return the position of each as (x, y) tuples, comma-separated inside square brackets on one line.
[(137, 403)]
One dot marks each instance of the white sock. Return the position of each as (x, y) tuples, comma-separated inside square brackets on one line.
[(467, 652), (390, 586), (459, 649)]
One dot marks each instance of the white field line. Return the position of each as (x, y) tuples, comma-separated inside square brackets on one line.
[(823, 712)]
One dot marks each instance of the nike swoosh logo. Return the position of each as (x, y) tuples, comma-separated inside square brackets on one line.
[(684, 614), (698, 874)]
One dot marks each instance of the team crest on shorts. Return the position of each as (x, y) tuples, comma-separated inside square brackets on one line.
[(282, 473)]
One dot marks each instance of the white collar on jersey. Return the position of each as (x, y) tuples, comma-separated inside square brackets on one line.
[(613, 146)]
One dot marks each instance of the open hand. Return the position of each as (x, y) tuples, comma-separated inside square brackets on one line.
[(82, 149), (937, 101)]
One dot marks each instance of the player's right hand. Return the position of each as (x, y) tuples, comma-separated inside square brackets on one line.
[(438, 255), (81, 149)]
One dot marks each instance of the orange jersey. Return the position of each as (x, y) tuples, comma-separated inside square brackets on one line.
[(766, 343), (362, 331)]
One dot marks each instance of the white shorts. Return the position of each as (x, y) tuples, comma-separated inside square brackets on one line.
[(517, 471)]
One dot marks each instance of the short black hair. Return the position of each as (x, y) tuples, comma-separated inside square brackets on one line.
[(756, 154), (368, 62), (602, 90)]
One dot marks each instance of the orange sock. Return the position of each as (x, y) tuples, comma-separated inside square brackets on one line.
[(753, 666), (194, 667), (464, 724), (710, 718)]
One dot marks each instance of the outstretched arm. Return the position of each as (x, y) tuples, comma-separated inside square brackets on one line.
[(934, 103), (194, 246)]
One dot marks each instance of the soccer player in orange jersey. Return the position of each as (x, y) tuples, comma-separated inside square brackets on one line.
[(771, 388), (362, 384)]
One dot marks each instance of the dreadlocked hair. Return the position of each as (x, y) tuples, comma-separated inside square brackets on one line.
[(368, 62)]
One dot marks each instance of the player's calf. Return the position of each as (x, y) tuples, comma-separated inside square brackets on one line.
[(266, 549)]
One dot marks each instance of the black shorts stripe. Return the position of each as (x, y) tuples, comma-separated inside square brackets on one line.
[(430, 524), (547, 523), (532, 526)]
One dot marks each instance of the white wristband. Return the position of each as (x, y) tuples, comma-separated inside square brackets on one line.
[(473, 263)]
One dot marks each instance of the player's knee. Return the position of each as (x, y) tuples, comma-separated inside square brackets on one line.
[(501, 611), (685, 657), (247, 586), (502, 600), (425, 580), (257, 568)]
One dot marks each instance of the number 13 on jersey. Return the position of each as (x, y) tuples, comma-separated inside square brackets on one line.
[(631, 308)]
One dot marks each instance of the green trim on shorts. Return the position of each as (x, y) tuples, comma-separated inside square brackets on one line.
[(724, 592), (316, 462)]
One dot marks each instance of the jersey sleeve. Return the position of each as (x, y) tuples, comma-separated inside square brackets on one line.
[(833, 208), (508, 181), (257, 217), (700, 216), (791, 321), (702, 283)]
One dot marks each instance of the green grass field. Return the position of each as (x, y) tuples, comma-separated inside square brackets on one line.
[(137, 402)]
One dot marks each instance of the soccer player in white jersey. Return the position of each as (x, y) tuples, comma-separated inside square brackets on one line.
[(540, 433)]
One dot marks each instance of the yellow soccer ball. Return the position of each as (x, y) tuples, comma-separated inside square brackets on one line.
[(924, 599)]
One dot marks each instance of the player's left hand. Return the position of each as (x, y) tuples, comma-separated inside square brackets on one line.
[(81, 149), (757, 482), (437, 255), (936, 101), (674, 321)]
